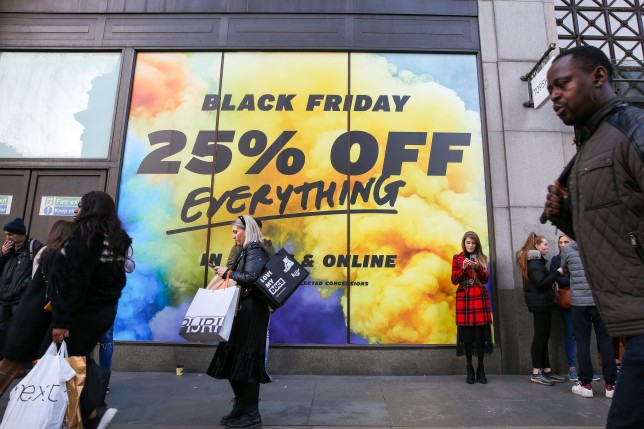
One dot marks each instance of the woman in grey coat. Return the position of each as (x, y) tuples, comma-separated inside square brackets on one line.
[(585, 316)]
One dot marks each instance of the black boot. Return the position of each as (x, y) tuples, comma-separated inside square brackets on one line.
[(235, 414), (470, 374), (250, 419), (480, 375)]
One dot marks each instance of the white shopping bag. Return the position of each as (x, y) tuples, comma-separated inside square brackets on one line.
[(209, 318), (40, 399)]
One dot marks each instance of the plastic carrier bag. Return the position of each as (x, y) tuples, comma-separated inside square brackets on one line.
[(40, 399)]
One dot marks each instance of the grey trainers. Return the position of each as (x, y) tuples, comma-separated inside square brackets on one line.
[(541, 379), (554, 377)]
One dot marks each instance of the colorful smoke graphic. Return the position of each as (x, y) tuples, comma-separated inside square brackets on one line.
[(409, 218)]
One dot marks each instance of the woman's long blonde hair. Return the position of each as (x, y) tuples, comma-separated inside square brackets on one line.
[(522, 254), (480, 256), (248, 224)]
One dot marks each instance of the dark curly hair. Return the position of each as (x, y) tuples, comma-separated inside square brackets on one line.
[(98, 217)]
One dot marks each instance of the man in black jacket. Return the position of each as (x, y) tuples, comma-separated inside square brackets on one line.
[(16, 262), (598, 201)]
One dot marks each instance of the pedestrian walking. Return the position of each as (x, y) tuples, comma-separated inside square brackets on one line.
[(25, 338), (586, 317), (241, 359), (85, 286), (598, 200)]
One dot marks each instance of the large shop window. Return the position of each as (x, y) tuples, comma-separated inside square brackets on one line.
[(367, 167), (57, 104)]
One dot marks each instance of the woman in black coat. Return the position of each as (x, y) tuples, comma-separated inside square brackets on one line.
[(84, 289), (539, 297), (84, 281), (241, 360), (23, 340)]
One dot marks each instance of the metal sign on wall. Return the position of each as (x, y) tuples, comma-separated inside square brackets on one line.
[(58, 206), (539, 85), (5, 204)]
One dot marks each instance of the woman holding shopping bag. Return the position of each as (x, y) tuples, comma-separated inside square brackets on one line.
[(84, 278), (473, 316), (26, 338), (240, 360), (85, 287)]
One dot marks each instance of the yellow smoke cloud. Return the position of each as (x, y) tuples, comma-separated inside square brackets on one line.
[(411, 303), (414, 303)]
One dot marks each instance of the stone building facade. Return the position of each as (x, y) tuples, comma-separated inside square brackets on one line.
[(524, 148)]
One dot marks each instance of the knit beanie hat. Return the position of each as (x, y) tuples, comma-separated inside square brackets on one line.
[(16, 226)]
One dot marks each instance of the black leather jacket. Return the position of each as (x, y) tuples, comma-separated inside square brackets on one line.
[(249, 265)]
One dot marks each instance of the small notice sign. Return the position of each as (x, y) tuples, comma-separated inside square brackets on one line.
[(5, 204), (58, 206), (539, 85)]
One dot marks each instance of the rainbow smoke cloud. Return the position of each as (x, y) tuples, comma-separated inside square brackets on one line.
[(411, 302)]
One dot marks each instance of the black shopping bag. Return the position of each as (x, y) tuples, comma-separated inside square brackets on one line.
[(281, 277)]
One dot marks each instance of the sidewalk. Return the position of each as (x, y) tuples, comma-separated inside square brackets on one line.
[(195, 401)]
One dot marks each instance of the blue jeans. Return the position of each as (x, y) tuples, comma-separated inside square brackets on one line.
[(626, 411), (584, 319), (106, 348), (569, 333)]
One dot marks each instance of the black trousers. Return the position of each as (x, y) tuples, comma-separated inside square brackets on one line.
[(83, 337), (6, 312), (246, 392), (539, 348), (584, 318)]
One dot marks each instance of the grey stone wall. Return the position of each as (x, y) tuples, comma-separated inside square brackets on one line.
[(320, 360), (528, 149)]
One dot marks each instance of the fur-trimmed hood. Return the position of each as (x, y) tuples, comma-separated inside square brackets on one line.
[(533, 254)]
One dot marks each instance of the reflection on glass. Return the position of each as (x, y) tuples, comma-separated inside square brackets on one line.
[(57, 104)]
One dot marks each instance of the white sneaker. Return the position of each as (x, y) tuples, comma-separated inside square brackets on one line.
[(610, 390), (103, 419), (582, 390)]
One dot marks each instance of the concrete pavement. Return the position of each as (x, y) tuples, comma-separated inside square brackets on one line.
[(154, 400)]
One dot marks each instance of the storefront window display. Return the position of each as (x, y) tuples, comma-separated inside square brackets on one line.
[(368, 167), (57, 104)]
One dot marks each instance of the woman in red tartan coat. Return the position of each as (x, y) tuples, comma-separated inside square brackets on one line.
[(473, 316)]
